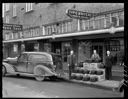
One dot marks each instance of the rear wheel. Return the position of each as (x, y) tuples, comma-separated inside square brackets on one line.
[(40, 73), (3, 71)]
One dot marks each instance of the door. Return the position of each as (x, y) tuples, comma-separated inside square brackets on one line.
[(66, 48), (22, 63)]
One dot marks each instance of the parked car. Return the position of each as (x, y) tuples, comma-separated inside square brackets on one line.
[(36, 64)]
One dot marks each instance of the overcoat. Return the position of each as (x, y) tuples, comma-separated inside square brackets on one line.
[(109, 61), (71, 60)]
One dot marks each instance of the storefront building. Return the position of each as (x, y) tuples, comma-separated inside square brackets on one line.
[(61, 36)]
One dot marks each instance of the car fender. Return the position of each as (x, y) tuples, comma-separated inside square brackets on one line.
[(46, 69), (9, 67)]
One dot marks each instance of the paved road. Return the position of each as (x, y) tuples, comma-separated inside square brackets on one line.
[(58, 88)]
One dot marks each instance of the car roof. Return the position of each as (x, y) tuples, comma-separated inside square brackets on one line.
[(46, 53)]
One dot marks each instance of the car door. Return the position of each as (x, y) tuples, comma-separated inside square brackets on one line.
[(22, 63)]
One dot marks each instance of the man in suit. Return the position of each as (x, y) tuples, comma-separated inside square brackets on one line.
[(71, 62), (108, 65)]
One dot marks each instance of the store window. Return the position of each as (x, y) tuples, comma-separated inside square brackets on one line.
[(84, 49)]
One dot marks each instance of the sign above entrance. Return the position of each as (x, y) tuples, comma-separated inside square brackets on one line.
[(79, 14), (14, 27)]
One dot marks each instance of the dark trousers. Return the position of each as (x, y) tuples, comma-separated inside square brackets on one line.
[(71, 70), (108, 73)]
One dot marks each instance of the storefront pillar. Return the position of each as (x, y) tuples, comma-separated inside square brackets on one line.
[(75, 48)]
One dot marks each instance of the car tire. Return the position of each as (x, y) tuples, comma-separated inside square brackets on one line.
[(3, 71), (40, 72)]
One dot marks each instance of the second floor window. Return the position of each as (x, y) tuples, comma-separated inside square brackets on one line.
[(7, 19), (29, 7), (7, 7), (14, 10), (3, 10)]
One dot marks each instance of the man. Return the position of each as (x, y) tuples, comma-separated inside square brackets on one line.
[(71, 62), (95, 57), (108, 65)]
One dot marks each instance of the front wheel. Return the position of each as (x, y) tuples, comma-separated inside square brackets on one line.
[(3, 71), (39, 72)]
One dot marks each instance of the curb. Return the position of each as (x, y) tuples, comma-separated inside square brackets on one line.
[(92, 85)]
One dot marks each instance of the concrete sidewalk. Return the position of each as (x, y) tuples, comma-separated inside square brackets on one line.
[(105, 84)]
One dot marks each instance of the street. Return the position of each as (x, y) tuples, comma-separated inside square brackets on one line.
[(56, 89)]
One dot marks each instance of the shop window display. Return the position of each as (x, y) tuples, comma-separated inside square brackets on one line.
[(84, 51)]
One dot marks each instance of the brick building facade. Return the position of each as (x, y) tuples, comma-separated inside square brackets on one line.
[(46, 27)]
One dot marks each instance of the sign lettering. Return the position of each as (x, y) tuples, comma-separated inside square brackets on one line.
[(14, 27), (80, 14)]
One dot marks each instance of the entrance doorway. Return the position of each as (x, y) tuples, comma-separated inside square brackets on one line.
[(56, 47), (66, 48)]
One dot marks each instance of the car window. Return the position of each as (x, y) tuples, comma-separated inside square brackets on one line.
[(22, 58), (38, 58)]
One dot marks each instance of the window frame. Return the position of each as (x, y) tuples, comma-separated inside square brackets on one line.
[(7, 7), (29, 7), (7, 19), (14, 13)]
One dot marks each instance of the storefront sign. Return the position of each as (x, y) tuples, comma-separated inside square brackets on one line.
[(14, 27), (79, 14)]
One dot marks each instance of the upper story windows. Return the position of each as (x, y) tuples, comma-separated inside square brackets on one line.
[(14, 10), (7, 19), (29, 7), (3, 10), (7, 6), (104, 21)]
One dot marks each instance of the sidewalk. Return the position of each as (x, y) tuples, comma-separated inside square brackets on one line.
[(105, 84)]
